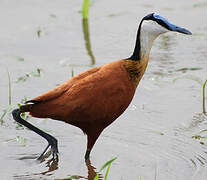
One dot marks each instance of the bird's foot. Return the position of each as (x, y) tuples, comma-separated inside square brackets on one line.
[(53, 150)]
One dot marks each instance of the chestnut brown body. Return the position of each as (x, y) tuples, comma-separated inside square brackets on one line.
[(91, 100)]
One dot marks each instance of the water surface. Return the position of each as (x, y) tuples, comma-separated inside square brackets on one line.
[(154, 136)]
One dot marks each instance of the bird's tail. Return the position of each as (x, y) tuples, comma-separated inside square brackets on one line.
[(26, 108)]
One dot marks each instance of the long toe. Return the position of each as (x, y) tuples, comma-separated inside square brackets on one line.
[(42, 156), (54, 149), (54, 152)]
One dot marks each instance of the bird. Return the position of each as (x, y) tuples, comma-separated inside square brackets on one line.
[(94, 99)]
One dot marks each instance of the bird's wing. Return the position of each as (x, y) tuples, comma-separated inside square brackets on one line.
[(58, 91)]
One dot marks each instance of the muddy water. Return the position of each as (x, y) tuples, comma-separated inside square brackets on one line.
[(153, 138)]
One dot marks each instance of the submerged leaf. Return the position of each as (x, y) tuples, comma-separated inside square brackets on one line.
[(194, 78), (39, 32), (21, 140), (36, 73)]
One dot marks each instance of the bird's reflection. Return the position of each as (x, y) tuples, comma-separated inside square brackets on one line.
[(52, 165), (86, 34)]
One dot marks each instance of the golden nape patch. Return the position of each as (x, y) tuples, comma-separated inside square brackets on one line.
[(136, 69)]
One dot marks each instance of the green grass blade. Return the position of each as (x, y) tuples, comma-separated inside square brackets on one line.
[(85, 9), (86, 34), (96, 177), (190, 77), (203, 87), (155, 176), (107, 171), (107, 163), (9, 78), (5, 113), (203, 131)]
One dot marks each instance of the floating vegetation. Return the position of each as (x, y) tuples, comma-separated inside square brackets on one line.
[(39, 31), (53, 16), (18, 139), (36, 73), (190, 77), (199, 5), (201, 138), (188, 69), (21, 140), (20, 58), (42, 31)]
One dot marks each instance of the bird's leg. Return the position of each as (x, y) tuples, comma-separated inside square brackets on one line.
[(50, 139), (92, 136), (87, 154)]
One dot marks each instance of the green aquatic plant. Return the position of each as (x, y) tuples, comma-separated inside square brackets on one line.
[(39, 31), (86, 34), (200, 5), (85, 9), (203, 90), (18, 139), (20, 58), (9, 108), (21, 140), (85, 26), (23, 115), (106, 165), (10, 100), (36, 73), (9, 78), (200, 137)]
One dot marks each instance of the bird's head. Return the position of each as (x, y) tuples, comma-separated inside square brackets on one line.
[(156, 25), (150, 27)]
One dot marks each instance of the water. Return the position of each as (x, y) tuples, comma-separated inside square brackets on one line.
[(154, 136)]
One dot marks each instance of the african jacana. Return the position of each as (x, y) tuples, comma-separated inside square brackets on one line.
[(92, 100)]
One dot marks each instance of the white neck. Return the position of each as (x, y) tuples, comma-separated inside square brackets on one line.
[(150, 30)]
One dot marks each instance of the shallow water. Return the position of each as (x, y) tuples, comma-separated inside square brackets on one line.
[(154, 136)]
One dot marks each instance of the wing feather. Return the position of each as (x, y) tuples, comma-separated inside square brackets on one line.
[(58, 91)]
